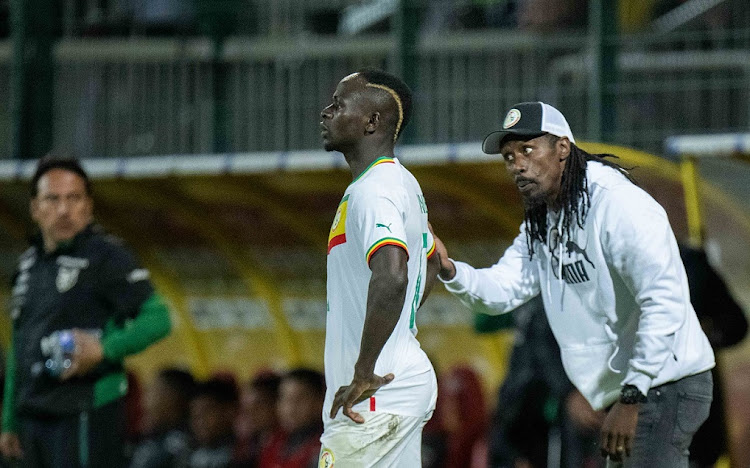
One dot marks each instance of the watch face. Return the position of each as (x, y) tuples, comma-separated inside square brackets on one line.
[(631, 395)]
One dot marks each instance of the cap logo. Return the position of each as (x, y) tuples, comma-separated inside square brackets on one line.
[(512, 118)]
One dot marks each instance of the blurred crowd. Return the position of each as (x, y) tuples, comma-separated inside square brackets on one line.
[(274, 420), (243, 18)]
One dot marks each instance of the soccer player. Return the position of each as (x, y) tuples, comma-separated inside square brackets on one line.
[(603, 256), (380, 269)]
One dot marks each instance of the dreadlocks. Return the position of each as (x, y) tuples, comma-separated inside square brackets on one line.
[(574, 196)]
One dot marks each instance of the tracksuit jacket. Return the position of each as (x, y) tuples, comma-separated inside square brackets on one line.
[(91, 282)]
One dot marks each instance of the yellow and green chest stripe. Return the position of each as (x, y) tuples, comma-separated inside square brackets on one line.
[(337, 235)]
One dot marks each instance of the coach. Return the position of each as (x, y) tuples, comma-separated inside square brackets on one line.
[(63, 409), (603, 256)]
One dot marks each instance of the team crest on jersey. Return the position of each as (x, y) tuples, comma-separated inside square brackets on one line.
[(67, 277), (337, 235), (326, 459), (67, 274)]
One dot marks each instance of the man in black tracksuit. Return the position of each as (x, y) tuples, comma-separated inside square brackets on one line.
[(73, 277)]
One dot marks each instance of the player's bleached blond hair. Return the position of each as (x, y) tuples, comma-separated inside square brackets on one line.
[(399, 104), (397, 89)]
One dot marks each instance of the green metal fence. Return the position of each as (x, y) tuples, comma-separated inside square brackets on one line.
[(122, 97)]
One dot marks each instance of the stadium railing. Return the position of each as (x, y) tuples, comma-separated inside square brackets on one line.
[(131, 97)]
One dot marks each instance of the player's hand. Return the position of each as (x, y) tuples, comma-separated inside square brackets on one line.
[(618, 431), (359, 390), (10, 445), (87, 355), (447, 268)]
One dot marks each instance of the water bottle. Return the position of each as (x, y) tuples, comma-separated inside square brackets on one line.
[(58, 348)]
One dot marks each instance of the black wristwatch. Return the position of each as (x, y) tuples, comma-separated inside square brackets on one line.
[(630, 395)]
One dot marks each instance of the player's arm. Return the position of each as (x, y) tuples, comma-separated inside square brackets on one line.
[(433, 268), (433, 265), (385, 300)]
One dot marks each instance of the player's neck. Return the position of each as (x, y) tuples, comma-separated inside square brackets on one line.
[(362, 158)]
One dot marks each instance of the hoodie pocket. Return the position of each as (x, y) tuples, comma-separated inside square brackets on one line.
[(589, 368)]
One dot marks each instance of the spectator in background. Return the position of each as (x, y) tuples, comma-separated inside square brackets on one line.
[(133, 414), (167, 405), (257, 419), (530, 15), (296, 444), (725, 325), (552, 15), (164, 17), (212, 413), (441, 16), (75, 286), (461, 415)]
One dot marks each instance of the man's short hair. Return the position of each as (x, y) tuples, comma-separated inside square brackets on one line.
[(219, 390), (267, 383), (311, 379), (395, 85), (179, 381), (53, 161)]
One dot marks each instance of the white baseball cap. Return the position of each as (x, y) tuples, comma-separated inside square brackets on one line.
[(528, 120)]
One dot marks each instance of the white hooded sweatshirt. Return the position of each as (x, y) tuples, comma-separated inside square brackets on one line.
[(618, 301)]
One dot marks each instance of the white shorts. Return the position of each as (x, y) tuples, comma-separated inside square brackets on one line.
[(383, 440)]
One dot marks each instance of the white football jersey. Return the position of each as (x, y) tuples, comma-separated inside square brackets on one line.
[(383, 206)]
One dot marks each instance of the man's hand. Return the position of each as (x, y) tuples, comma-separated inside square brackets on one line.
[(618, 431), (10, 446), (87, 355), (359, 390), (447, 268), (582, 414)]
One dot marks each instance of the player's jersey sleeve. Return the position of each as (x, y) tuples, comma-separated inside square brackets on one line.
[(430, 244), (379, 216)]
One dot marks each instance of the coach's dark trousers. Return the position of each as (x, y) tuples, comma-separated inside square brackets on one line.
[(89, 439), (667, 421)]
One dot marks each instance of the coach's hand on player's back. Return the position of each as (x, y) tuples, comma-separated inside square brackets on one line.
[(359, 390)]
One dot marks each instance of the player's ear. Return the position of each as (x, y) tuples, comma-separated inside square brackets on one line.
[(373, 122)]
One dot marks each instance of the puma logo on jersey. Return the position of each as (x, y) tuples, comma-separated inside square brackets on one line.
[(572, 247), (377, 225)]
